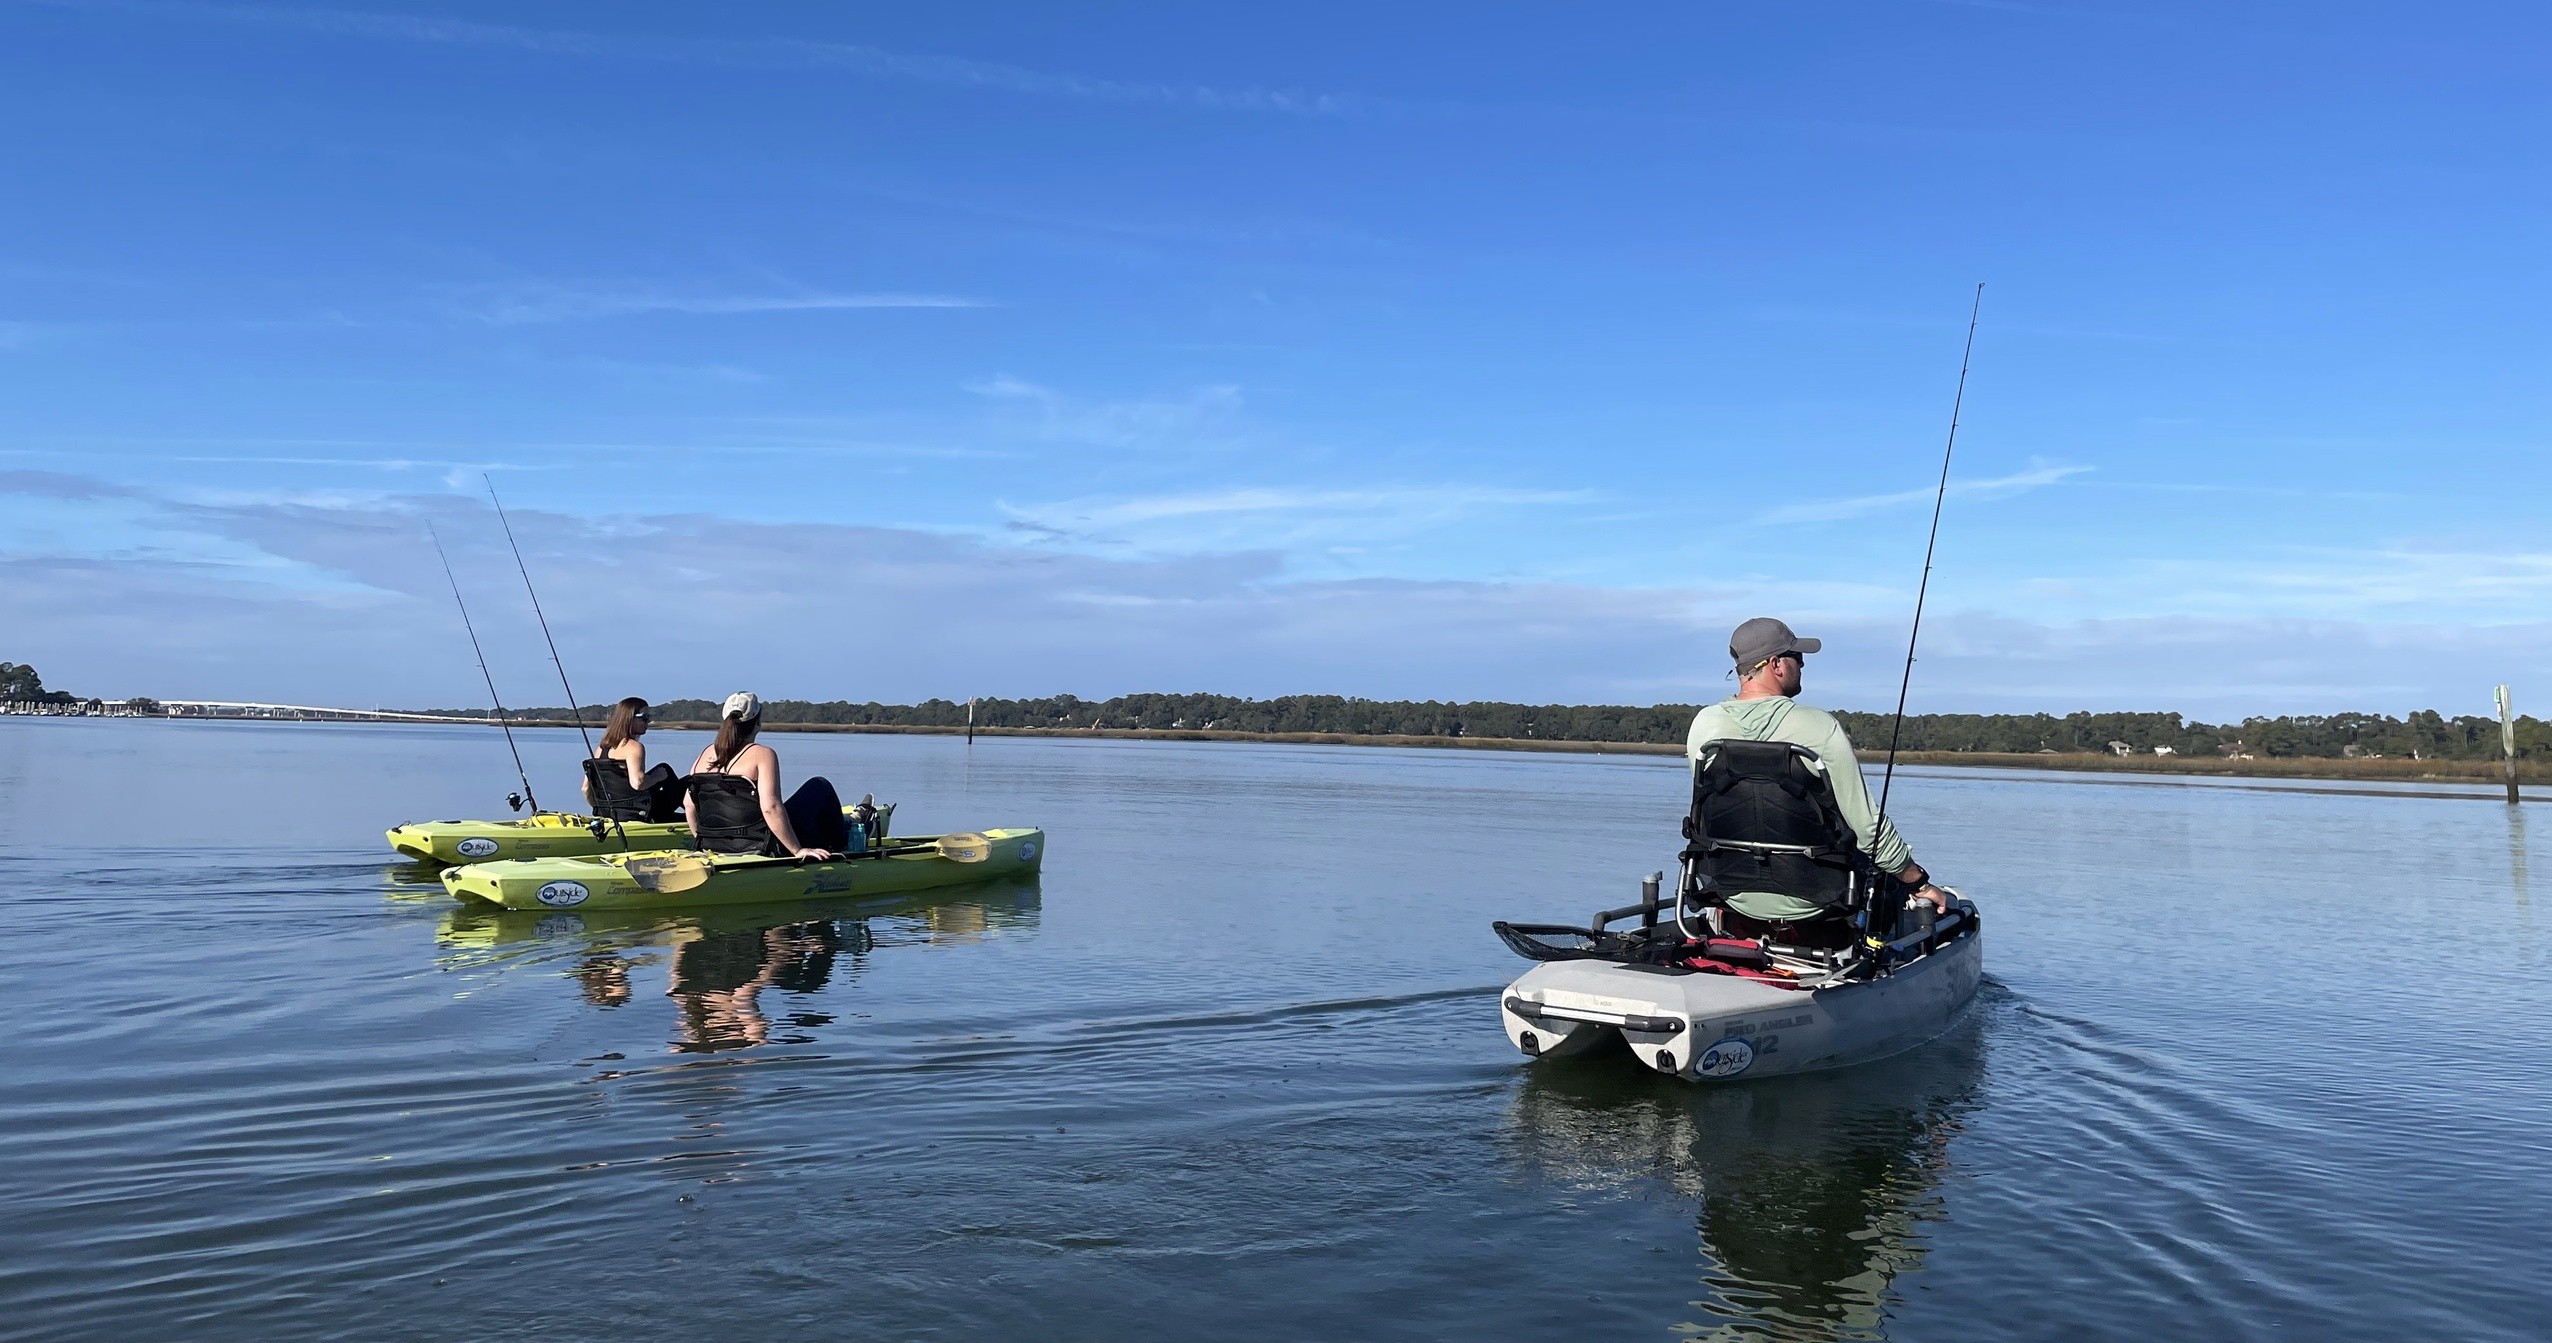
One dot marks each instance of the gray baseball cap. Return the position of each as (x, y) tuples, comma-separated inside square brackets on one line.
[(1764, 637), (744, 704)]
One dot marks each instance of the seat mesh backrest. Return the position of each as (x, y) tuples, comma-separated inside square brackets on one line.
[(607, 787), (1761, 793), (728, 812)]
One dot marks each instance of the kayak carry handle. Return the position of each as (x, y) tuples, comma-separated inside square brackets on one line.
[(1646, 909)]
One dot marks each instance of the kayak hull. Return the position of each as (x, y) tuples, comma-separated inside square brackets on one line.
[(548, 834), (1719, 1028), (605, 882)]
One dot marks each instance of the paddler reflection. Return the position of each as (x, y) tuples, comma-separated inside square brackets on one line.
[(1811, 1192), (718, 981), (724, 967)]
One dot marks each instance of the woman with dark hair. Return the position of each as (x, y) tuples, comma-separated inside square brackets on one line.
[(733, 795), (618, 784)]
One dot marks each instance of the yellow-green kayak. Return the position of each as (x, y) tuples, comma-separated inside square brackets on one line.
[(548, 834), (667, 879)]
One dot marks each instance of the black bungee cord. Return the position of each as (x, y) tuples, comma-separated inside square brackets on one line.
[(516, 802)]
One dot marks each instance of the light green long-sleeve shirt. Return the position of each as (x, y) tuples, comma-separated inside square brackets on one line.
[(1780, 718)]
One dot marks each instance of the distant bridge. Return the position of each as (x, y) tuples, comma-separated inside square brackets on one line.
[(220, 708), (224, 708)]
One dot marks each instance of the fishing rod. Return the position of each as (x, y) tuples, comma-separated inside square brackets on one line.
[(1939, 496), (572, 711), (515, 802)]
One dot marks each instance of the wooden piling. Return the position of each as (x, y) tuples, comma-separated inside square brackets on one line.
[(2508, 741)]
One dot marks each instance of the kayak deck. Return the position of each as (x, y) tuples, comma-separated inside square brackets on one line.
[(547, 834), (607, 881)]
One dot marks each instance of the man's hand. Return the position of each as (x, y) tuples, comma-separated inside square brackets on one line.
[(1912, 874), (814, 855)]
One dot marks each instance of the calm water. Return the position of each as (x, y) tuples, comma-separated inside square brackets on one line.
[(2251, 1064)]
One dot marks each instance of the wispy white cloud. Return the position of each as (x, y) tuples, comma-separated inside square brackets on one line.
[(2040, 474), (511, 305), (1437, 501), (20, 335), (779, 53), (1335, 523), (196, 597), (1202, 417), (2388, 578)]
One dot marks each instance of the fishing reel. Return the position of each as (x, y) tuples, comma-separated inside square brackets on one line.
[(513, 801)]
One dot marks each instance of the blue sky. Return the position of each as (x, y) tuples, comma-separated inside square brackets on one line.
[(1427, 351)]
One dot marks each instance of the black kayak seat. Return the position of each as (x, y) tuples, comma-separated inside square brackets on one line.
[(1764, 819), (607, 789), (726, 813)]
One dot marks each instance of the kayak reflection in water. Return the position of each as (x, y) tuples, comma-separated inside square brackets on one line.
[(1811, 1194), (732, 798), (618, 783), (718, 980)]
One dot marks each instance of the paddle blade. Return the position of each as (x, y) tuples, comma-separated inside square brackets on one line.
[(669, 874), (965, 848)]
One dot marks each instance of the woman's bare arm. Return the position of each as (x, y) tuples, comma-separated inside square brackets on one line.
[(691, 809), (765, 768), (633, 753)]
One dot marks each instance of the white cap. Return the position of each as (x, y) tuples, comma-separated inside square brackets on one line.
[(742, 704)]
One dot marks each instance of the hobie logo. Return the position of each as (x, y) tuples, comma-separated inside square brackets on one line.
[(476, 848), (1028, 851), (562, 893), (1725, 1059)]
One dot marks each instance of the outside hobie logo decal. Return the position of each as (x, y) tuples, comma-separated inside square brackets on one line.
[(563, 893), (476, 848), (1725, 1059), (1027, 851)]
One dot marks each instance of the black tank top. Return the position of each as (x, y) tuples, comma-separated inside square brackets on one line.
[(727, 808)]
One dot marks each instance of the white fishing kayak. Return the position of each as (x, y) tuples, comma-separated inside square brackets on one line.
[(1721, 1023)]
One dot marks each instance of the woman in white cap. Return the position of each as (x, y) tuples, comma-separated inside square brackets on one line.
[(733, 795)]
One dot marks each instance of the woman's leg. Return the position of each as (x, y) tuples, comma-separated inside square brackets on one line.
[(664, 793), (815, 813)]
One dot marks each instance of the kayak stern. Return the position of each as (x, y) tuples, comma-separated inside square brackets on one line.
[(1715, 1027)]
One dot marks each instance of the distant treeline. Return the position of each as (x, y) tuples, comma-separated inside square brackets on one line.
[(19, 682), (2424, 735)]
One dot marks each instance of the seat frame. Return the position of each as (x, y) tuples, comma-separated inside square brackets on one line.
[(1698, 902)]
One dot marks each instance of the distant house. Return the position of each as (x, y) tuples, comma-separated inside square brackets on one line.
[(2166, 750), (2120, 748)]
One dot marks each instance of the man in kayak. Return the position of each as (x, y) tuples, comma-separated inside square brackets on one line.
[(1770, 660)]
